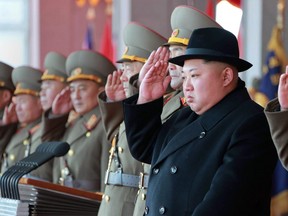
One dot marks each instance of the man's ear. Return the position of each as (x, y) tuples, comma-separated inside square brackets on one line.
[(228, 75), (101, 88)]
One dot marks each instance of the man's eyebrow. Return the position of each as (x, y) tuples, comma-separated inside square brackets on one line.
[(190, 70)]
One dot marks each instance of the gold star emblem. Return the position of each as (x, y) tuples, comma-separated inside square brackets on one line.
[(175, 33), (126, 50), (46, 72), (77, 71)]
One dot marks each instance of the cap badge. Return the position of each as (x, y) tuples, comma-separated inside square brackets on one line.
[(77, 71), (126, 50), (175, 33), (45, 72), (18, 86)]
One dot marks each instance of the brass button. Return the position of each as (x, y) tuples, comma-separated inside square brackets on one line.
[(143, 196), (120, 149), (107, 198), (25, 142), (71, 152), (12, 157), (65, 171), (88, 134)]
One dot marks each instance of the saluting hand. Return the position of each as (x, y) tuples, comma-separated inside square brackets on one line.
[(283, 90), (154, 57), (62, 103), (155, 81), (114, 88), (9, 115)]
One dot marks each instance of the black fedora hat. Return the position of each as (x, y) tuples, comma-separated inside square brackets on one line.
[(213, 44)]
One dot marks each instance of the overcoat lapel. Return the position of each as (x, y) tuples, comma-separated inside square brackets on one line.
[(183, 137), (78, 129), (202, 125)]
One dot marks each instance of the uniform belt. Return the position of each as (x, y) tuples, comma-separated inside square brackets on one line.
[(122, 179), (143, 182)]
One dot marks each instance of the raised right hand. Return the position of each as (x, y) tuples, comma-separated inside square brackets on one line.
[(9, 115), (155, 81), (62, 103), (114, 88)]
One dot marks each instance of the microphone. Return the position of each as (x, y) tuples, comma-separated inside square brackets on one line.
[(44, 152)]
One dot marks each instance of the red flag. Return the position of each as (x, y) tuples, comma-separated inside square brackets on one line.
[(210, 9), (107, 46)]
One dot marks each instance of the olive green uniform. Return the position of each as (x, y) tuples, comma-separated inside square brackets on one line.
[(85, 164), (6, 83), (119, 196), (21, 142), (87, 158)]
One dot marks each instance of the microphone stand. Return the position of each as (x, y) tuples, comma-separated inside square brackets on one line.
[(44, 152)]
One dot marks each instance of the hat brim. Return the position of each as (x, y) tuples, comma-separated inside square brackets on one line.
[(122, 60), (168, 44), (240, 64)]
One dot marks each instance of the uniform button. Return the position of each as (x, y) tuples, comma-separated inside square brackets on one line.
[(88, 134), (202, 134), (173, 169), (120, 149), (12, 157), (107, 198), (156, 171), (26, 142), (71, 152), (103, 196), (143, 196), (146, 210), (162, 210)]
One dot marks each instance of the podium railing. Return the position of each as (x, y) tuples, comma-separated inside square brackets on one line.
[(44, 198)]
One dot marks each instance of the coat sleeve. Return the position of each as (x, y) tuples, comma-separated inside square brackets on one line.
[(278, 123), (112, 115), (142, 124), (6, 132), (245, 173), (54, 127)]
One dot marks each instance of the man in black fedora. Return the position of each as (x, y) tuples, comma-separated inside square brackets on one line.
[(215, 157)]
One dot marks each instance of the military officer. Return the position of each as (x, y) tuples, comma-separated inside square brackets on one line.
[(119, 197), (52, 81), (85, 164), (6, 92), (184, 19), (6, 86), (28, 111)]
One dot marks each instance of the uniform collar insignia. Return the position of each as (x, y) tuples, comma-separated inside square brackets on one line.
[(183, 101), (91, 123)]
